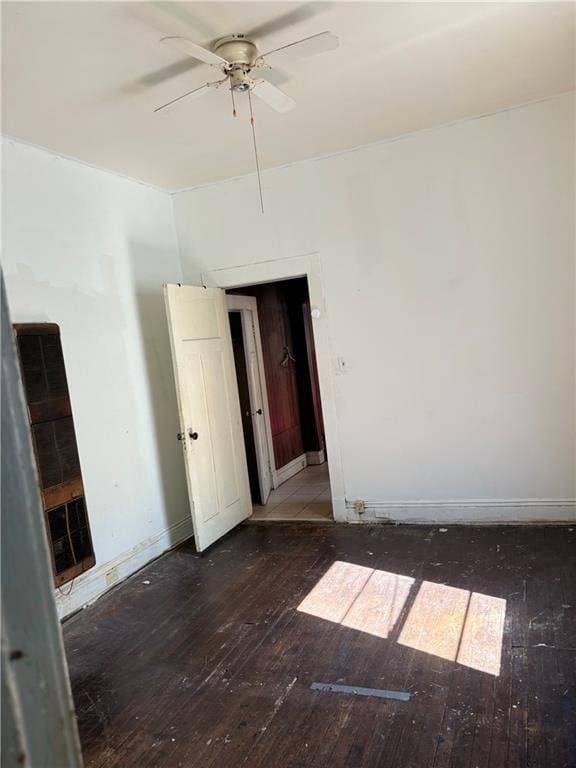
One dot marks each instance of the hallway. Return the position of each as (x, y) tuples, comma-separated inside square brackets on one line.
[(306, 496)]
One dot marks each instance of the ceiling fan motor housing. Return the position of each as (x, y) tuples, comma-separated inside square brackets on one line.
[(237, 50)]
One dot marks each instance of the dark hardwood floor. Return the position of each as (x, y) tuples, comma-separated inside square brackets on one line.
[(206, 661)]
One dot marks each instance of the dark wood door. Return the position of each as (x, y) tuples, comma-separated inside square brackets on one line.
[(237, 335)]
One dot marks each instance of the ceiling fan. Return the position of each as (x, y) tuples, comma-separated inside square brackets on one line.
[(238, 58)]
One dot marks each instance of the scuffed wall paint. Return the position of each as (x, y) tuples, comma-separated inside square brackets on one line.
[(89, 250)]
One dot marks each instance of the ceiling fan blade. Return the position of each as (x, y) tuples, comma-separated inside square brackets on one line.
[(276, 76), (273, 96), (288, 19), (309, 46), (184, 45), (159, 76), (184, 15), (196, 93)]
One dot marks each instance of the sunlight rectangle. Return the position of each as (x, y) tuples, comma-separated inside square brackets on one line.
[(333, 595), (457, 625), (435, 621), (481, 643), (379, 605)]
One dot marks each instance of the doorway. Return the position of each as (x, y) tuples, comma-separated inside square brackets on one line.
[(238, 346), (276, 352)]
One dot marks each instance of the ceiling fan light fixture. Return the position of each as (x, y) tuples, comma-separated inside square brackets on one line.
[(240, 80)]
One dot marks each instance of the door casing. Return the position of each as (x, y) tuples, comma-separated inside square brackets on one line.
[(308, 266)]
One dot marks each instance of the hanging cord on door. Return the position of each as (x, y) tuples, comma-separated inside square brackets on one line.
[(288, 358), (255, 151)]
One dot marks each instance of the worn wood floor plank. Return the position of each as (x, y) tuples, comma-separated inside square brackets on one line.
[(210, 663)]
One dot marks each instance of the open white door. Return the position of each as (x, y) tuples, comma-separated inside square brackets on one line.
[(248, 307), (210, 423)]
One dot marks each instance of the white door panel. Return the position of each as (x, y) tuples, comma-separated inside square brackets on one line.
[(210, 423)]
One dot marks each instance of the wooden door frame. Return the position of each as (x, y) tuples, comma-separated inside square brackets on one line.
[(308, 266), (38, 722), (250, 316)]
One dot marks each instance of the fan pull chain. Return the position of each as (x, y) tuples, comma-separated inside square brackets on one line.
[(234, 114), (255, 151)]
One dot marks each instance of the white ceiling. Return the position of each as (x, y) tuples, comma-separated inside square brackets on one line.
[(80, 78)]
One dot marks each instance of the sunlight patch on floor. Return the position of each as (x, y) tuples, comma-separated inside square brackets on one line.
[(358, 597), (452, 623), (457, 625)]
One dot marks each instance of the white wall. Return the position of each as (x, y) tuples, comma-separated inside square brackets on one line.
[(89, 250), (448, 269)]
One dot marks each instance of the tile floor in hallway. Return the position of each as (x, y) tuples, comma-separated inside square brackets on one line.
[(306, 496)]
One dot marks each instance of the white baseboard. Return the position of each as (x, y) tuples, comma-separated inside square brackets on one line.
[(315, 457), (94, 583), (495, 511), (291, 469)]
